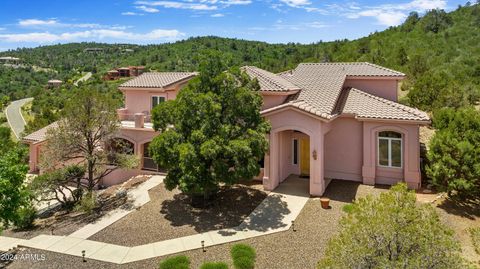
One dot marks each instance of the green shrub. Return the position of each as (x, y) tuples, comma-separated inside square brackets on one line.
[(347, 208), (214, 265), (243, 256), (394, 220), (88, 203), (177, 262), (475, 235), (25, 217)]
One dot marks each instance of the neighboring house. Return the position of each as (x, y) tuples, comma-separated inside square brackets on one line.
[(54, 83), (329, 121)]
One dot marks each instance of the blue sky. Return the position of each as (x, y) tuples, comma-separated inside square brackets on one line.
[(41, 22)]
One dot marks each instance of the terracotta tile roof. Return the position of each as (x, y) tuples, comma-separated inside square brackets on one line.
[(157, 79), (365, 105), (269, 81), (323, 95), (39, 135)]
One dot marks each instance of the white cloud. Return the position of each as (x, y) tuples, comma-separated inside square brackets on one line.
[(296, 3), (317, 25), (178, 5), (217, 15), (54, 23), (389, 14), (97, 34), (147, 9), (37, 22), (130, 13), (236, 2)]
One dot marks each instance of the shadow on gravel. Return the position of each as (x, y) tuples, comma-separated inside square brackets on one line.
[(342, 190), (469, 209), (229, 208)]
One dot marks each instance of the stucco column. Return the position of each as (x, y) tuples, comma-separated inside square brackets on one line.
[(271, 178), (317, 182), (33, 157), (369, 165), (411, 159)]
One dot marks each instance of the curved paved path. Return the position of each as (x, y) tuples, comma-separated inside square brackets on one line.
[(86, 77), (14, 116), (275, 214)]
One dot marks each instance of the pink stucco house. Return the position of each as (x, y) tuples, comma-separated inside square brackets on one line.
[(329, 121)]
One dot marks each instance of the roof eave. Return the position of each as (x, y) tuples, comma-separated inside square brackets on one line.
[(405, 121), (287, 92), (278, 109)]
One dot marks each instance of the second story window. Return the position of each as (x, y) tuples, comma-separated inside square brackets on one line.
[(157, 100)]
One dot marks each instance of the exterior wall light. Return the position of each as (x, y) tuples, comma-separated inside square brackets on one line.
[(314, 154)]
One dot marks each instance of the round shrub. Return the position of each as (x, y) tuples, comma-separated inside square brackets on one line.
[(25, 217), (244, 263), (214, 265), (243, 256), (177, 262)]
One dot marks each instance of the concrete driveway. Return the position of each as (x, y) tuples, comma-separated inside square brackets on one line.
[(14, 116)]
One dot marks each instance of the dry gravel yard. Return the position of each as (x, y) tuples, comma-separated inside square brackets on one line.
[(460, 217), (285, 250), (63, 222), (169, 215)]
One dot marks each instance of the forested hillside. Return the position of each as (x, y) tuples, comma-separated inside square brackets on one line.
[(439, 52)]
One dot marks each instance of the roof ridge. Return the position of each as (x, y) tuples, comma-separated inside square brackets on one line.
[(384, 68), (394, 104), (265, 75)]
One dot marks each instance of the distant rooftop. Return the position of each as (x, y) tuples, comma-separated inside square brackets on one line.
[(157, 79)]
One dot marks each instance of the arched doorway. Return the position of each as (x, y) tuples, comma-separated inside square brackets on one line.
[(147, 161), (117, 146)]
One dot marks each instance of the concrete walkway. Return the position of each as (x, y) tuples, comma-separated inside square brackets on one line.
[(275, 214)]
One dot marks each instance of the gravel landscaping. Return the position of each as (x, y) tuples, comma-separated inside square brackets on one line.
[(461, 218), (169, 215), (285, 250), (64, 222)]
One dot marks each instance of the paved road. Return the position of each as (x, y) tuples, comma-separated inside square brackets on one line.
[(86, 77), (14, 116)]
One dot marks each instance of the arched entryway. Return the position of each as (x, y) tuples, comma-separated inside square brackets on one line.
[(147, 161), (118, 145), (295, 153)]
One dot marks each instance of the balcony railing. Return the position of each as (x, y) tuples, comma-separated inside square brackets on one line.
[(137, 120)]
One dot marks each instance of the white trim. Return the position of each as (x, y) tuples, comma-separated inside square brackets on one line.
[(390, 139)]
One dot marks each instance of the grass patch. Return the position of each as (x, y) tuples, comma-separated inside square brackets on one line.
[(475, 235), (177, 262), (347, 208), (243, 256)]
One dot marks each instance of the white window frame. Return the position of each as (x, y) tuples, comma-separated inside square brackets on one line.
[(158, 97), (293, 151), (390, 139)]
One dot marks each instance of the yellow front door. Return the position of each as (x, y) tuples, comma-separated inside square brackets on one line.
[(304, 157)]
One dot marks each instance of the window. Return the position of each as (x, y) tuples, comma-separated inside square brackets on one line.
[(295, 151), (389, 149), (157, 100)]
